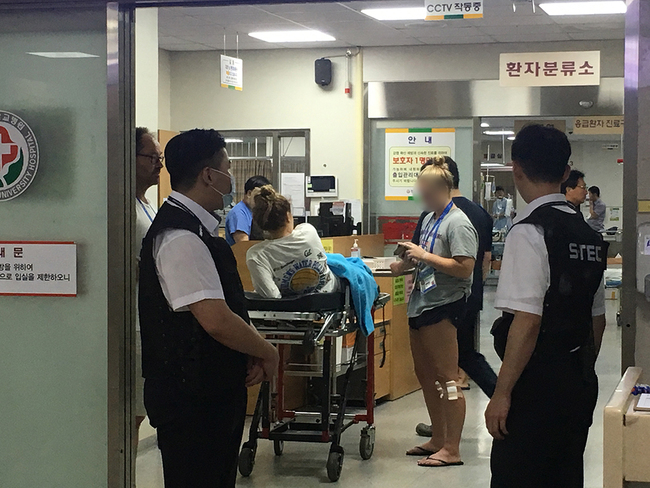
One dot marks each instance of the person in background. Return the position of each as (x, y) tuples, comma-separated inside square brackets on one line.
[(444, 258), (499, 209), (292, 260), (597, 210), (469, 359), (575, 190), (148, 163), (239, 222), (199, 349), (542, 407)]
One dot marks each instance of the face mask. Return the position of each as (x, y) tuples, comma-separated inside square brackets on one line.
[(227, 198)]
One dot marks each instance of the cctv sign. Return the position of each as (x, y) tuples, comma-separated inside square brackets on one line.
[(444, 10)]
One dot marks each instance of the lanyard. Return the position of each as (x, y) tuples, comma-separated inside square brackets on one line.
[(145, 210), (433, 233)]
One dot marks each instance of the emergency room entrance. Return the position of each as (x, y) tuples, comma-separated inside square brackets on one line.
[(67, 367)]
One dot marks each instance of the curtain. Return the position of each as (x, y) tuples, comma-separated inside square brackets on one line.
[(243, 169)]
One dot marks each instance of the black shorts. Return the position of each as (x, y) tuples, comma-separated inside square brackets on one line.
[(454, 312)]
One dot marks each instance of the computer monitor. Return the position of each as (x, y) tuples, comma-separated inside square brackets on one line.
[(322, 186)]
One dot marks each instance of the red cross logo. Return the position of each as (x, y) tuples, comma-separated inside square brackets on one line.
[(8, 149)]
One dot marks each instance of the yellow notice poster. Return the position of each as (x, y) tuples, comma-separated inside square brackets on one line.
[(328, 245), (406, 151)]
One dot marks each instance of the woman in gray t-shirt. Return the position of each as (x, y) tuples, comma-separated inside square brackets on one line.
[(444, 263)]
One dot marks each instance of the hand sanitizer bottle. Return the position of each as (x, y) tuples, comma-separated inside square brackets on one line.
[(355, 252)]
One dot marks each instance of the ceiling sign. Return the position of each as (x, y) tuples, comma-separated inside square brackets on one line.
[(38, 268), (18, 156), (445, 10), (232, 73), (550, 69), (406, 151), (612, 124)]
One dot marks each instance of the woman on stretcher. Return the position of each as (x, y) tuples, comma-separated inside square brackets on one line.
[(291, 261)]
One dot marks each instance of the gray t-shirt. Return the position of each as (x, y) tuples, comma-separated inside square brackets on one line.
[(598, 223), (456, 237)]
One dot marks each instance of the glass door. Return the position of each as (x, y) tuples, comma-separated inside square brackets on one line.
[(62, 115)]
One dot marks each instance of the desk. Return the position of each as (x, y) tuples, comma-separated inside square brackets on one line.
[(626, 437)]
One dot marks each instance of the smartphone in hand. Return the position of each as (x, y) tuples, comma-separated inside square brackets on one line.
[(400, 251)]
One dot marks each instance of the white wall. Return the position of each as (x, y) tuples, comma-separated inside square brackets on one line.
[(279, 93), (146, 68), (146, 75), (164, 90), (601, 170), (470, 61)]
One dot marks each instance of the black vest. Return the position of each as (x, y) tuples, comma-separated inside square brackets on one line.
[(578, 258), (174, 345)]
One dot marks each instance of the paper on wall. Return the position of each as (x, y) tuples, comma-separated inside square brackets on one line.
[(292, 186)]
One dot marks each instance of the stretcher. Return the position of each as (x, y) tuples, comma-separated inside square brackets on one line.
[(312, 322)]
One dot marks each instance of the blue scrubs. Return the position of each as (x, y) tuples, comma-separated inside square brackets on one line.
[(240, 218), (500, 206)]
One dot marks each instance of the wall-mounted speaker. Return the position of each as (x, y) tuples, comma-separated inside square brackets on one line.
[(323, 71)]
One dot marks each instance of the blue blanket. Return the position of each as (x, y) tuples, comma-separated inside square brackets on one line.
[(363, 287)]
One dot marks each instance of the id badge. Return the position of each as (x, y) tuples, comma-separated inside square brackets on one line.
[(426, 280)]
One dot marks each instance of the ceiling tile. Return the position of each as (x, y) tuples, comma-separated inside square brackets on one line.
[(517, 38), (203, 27), (458, 40)]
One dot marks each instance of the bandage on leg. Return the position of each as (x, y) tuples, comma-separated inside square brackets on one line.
[(440, 390), (453, 392)]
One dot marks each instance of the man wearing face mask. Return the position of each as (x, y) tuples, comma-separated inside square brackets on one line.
[(199, 351)]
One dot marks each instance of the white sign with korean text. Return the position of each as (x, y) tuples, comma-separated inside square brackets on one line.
[(232, 73), (449, 10), (406, 151), (38, 268), (550, 69)]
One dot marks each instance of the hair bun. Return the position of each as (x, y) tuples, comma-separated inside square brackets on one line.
[(440, 161)]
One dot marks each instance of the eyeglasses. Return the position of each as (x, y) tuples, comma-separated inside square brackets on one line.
[(584, 187), (154, 158)]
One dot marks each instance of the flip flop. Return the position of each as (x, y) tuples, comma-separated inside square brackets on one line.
[(443, 464), (420, 451)]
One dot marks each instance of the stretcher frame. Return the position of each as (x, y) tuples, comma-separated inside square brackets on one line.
[(312, 329)]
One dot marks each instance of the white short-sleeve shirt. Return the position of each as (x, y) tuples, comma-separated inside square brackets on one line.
[(525, 271), (185, 268)]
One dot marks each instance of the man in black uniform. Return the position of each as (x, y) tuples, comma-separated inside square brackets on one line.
[(547, 388), (199, 351), (469, 359)]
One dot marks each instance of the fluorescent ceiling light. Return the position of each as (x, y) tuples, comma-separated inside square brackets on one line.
[(229, 140), (485, 124), (492, 165), (63, 55), (511, 138), (585, 8), (499, 133), (411, 13), (292, 36)]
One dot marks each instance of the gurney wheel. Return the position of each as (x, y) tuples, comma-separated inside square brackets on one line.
[(278, 447), (335, 465), (246, 461), (367, 443)]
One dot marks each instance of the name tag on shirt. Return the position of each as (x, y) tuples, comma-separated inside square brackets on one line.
[(426, 280)]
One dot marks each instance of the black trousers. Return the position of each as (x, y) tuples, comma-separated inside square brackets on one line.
[(550, 415), (198, 436), (469, 359)]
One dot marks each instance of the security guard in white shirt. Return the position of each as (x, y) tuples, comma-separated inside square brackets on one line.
[(199, 349), (547, 388)]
